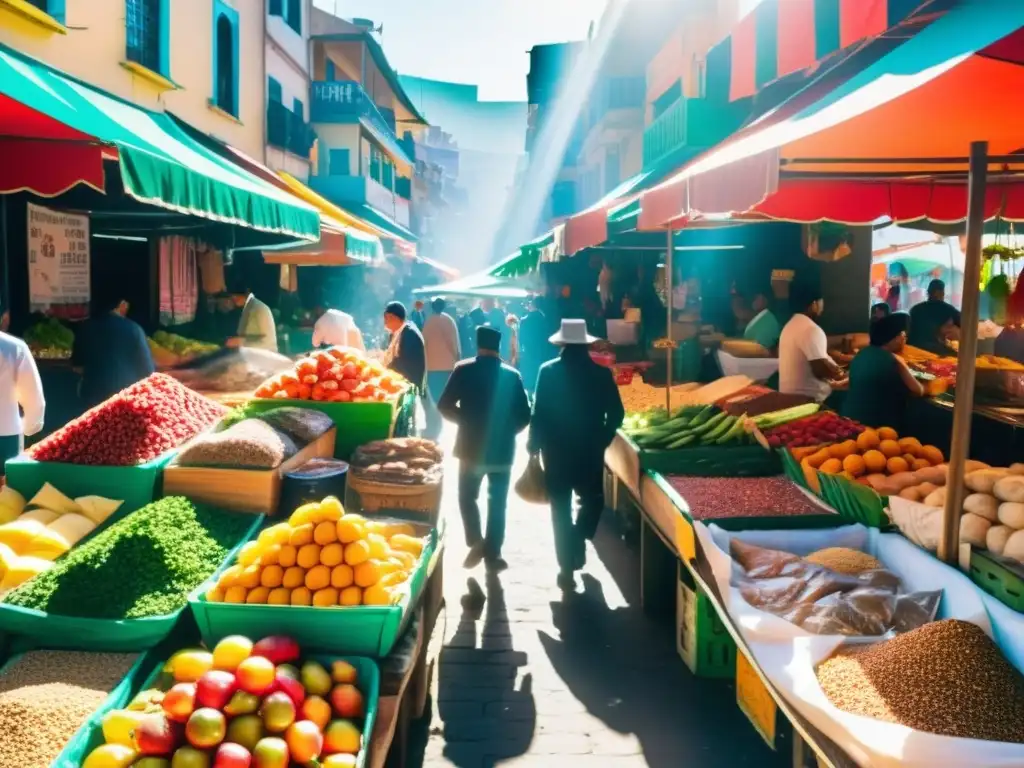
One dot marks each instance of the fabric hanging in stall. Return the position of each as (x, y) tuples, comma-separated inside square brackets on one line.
[(289, 278), (179, 285), (211, 270)]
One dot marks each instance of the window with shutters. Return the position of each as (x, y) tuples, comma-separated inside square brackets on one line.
[(225, 58), (146, 37), (339, 162), (294, 15), (274, 90)]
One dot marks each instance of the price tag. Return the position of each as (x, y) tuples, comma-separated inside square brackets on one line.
[(755, 700)]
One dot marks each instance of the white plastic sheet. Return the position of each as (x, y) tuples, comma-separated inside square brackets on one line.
[(789, 655)]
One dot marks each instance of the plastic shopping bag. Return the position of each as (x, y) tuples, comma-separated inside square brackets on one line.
[(531, 485)]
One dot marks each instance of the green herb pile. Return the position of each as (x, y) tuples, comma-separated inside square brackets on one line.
[(144, 565)]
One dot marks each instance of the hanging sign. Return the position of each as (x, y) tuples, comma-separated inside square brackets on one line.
[(58, 262)]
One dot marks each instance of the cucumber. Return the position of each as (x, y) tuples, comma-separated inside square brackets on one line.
[(735, 433), (723, 427), (681, 442), (711, 424), (703, 415)]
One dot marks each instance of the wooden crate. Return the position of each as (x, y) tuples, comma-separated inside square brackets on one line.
[(242, 490)]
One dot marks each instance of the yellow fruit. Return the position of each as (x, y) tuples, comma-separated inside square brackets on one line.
[(407, 559), (288, 556), (250, 577), (351, 596), (325, 533), (318, 577), (230, 577), (379, 548), (393, 579), (249, 553), (325, 598), (215, 595), (303, 515), (393, 529), (271, 576), (378, 594), (118, 725), (275, 534), (302, 596), (831, 467), (349, 529), (332, 554), (342, 576), (331, 509), (405, 543), (375, 526), (271, 555), (367, 574), (257, 596), (279, 596), (230, 652), (110, 756), (301, 535), (390, 565), (293, 577), (235, 595), (309, 556), (357, 552)]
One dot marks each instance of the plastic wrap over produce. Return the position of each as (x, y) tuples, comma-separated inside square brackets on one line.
[(790, 656), (231, 370)]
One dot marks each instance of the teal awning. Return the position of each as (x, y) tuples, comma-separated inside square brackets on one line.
[(481, 285), (160, 164), (380, 220), (522, 262)]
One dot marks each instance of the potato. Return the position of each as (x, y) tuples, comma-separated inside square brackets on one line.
[(911, 494), (973, 466), (1016, 469), (973, 530), (936, 498), (1009, 488), (924, 489), (1015, 546), (933, 475), (878, 481), (996, 537), (983, 480), (1011, 513), (903, 480), (982, 505)]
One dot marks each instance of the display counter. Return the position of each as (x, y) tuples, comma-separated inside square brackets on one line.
[(997, 434)]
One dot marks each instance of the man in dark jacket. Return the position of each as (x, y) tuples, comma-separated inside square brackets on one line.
[(486, 400), (406, 353), (576, 410), (534, 348)]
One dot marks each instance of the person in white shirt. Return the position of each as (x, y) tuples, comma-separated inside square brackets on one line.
[(441, 339), (257, 327), (20, 386), (338, 329), (805, 367)]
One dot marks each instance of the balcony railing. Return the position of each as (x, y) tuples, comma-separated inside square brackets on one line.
[(362, 190), (345, 101), (287, 130), (690, 123), (615, 93)]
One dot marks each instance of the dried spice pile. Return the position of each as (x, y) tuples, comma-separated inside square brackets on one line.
[(143, 565), (46, 696), (851, 562), (712, 498), (946, 678), (248, 444)]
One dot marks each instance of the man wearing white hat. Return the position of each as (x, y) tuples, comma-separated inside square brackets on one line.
[(576, 410)]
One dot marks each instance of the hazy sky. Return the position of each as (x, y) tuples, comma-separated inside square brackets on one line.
[(473, 41)]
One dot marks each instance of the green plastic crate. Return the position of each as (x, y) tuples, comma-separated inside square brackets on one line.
[(90, 736), (713, 461), (41, 629), (361, 630), (999, 577), (792, 469), (703, 642), (135, 486), (357, 423)]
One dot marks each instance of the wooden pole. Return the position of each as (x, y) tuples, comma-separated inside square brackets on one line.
[(668, 332), (963, 407)]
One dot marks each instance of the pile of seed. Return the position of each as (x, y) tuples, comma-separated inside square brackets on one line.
[(46, 696), (248, 444), (143, 565), (851, 562), (304, 425), (946, 678), (719, 497)]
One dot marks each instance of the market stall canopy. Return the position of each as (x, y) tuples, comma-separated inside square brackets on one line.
[(48, 119), (480, 285), (449, 272), (898, 131), (339, 246)]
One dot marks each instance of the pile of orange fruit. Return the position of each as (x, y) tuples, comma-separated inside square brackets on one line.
[(875, 452)]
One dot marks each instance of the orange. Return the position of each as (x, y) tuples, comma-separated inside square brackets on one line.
[(831, 467), (332, 554), (309, 555), (271, 576), (331, 509), (867, 440), (932, 454), (235, 595), (350, 596), (378, 594), (357, 552), (215, 595), (897, 464), (250, 577), (815, 460), (888, 433), (842, 450), (367, 574), (318, 577), (910, 445), (258, 596), (302, 596), (304, 515), (316, 710), (342, 576), (294, 577), (271, 555), (249, 553), (874, 461), (854, 465), (325, 598), (275, 534), (349, 529), (279, 596), (230, 577), (920, 464), (301, 535), (889, 448), (910, 459), (325, 533), (287, 556)]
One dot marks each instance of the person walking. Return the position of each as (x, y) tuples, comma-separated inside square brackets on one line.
[(405, 353), (486, 400), (534, 331), (441, 337), (22, 394), (576, 411)]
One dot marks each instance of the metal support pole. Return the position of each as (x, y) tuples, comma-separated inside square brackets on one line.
[(963, 408), (668, 328)]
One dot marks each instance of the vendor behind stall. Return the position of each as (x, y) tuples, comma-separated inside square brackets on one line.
[(933, 322), (763, 327), (880, 382), (1010, 343), (21, 388), (805, 367), (257, 327), (337, 329)]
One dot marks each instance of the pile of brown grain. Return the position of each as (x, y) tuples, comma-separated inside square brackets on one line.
[(45, 696), (946, 678), (851, 562)]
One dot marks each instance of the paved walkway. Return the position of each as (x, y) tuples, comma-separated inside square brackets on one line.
[(530, 678)]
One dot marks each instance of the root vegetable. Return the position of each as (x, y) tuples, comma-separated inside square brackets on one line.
[(1015, 546), (983, 505), (1016, 469), (911, 494), (973, 530), (1011, 513), (934, 475), (936, 498), (1009, 488), (996, 538), (983, 480)]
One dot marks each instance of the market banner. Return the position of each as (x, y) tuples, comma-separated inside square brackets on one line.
[(58, 262)]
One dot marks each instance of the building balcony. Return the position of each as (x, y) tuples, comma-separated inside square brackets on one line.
[(288, 131), (349, 191), (345, 101), (612, 94), (403, 187), (690, 123)]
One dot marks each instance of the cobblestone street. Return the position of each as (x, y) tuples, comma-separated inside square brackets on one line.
[(531, 679)]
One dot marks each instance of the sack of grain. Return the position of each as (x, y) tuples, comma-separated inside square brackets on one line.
[(249, 444), (304, 425)]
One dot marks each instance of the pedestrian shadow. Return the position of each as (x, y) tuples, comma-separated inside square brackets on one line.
[(625, 670), (484, 717)]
